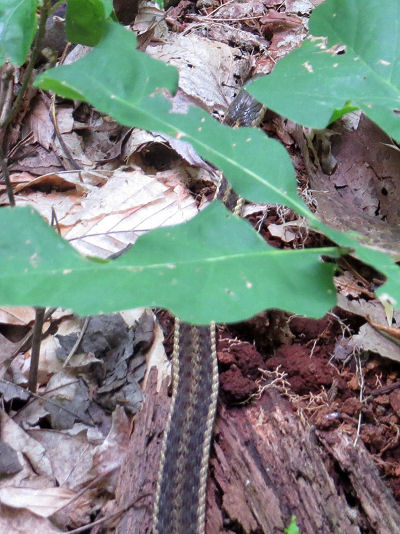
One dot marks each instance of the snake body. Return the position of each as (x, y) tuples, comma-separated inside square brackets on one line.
[(180, 499)]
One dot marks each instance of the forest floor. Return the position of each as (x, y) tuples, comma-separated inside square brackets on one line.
[(339, 372)]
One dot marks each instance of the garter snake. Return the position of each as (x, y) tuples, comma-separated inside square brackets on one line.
[(180, 499)]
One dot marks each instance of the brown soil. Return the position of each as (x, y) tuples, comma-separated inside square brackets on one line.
[(359, 397)]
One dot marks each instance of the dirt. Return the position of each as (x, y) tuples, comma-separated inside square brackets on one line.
[(360, 397)]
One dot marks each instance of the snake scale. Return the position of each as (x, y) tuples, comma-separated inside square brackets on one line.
[(180, 500)]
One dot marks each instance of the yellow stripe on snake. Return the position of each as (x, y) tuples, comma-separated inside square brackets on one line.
[(180, 500)]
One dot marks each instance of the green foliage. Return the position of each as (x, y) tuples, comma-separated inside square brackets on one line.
[(206, 269), (114, 74), (258, 167), (85, 20), (351, 60), (17, 29), (292, 528), (216, 259)]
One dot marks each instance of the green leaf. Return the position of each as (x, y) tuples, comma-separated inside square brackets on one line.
[(363, 250), (317, 83), (292, 528), (206, 269), (258, 167), (85, 20), (108, 7), (114, 68), (17, 29)]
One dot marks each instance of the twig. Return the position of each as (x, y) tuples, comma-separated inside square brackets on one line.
[(6, 90), (54, 220), (35, 353), (110, 517), (361, 396), (21, 93), (41, 397), (69, 157), (25, 340), (44, 12), (78, 341), (6, 177), (17, 146), (60, 406)]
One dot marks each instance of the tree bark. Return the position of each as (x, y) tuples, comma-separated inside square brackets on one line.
[(266, 466)]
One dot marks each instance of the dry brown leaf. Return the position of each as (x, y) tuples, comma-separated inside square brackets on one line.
[(21, 521), (43, 502), (17, 315), (207, 69)]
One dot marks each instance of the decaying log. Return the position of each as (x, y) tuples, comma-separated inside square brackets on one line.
[(138, 474), (266, 466)]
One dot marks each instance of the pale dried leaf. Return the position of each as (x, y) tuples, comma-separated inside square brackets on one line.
[(21, 521), (42, 502), (372, 310), (109, 456), (284, 231), (206, 68), (156, 357), (17, 315), (32, 456), (369, 339), (41, 124), (127, 206), (71, 453)]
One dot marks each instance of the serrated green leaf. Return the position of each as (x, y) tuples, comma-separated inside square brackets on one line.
[(206, 269), (314, 84), (85, 20), (17, 29)]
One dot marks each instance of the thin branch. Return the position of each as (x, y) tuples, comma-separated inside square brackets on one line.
[(24, 343), (35, 353), (110, 517), (77, 342), (44, 12), (6, 177), (6, 91)]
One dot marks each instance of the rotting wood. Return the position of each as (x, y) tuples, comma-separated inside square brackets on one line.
[(266, 465), (138, 474)]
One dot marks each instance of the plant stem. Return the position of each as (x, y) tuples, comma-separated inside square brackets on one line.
[(35, 353), (39, 312), (6, 176), (44, 12)]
